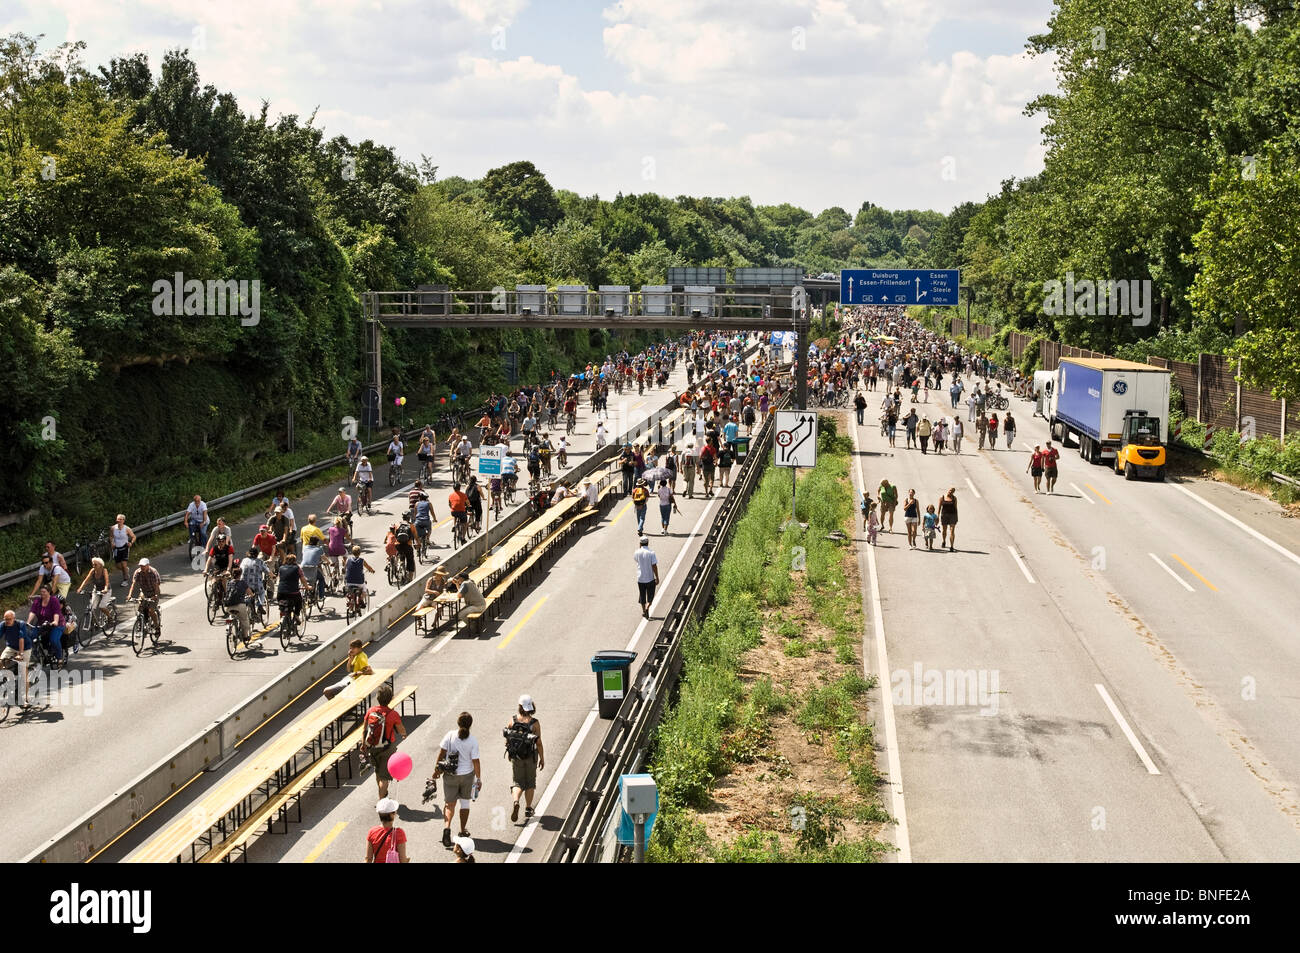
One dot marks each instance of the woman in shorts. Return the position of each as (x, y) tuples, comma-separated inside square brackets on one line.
[(911, 517), (948, 518)]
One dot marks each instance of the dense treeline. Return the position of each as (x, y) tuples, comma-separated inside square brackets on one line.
[(1172, 158), (114, 179)]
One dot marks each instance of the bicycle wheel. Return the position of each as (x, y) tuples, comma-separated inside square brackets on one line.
[(137, 634), (155, 631), (392, 573), (286, 631), (232, 638), (308, 603), (392, 475)]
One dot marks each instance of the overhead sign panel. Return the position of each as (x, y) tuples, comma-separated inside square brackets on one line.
[(899, 286)]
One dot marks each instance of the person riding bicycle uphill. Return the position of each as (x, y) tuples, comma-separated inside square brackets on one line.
[(150, 583), (509, 471), (458, 502), (46, 615), (281, 527), (341, 506), (364, 477), (221, 554), (354, 575), (422, 511), (196, 519), (396, 451), (474, 493)]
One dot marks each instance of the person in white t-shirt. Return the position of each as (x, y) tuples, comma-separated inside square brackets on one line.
[(647, 575), (459, 785)]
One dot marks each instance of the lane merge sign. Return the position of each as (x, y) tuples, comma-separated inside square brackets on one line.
[(899, 286), (796, 438), (489, 460)]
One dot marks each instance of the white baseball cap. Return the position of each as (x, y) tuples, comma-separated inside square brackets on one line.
[(466, 844), (526, 703), (387, 806)]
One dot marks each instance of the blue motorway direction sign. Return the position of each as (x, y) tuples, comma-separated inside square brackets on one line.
[(898, 286)]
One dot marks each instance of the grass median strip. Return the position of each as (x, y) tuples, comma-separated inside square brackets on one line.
[(767, 755)]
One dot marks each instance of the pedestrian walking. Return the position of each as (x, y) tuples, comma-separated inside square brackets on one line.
[(923, 431), (911, 517), (708, 458), (726, 457), (940, 435), (386, 844), (458, 762), (931, 521), (463, 848), (1050, 456), (888, 494), (993, 431), (640, 499), (524, 749), (860, 405), (688, 470), (1035, 468), (667, 504), (378, 739), (948, 518), (873, 523), (982, 428), (647, 575), (958, 431), (864, 505), (1009, 428)]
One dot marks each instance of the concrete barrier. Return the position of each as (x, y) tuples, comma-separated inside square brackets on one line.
[(216, 743)]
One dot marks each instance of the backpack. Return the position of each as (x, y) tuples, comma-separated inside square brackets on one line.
[(521, 743), (375, 736), (404, 534), (390, 856)]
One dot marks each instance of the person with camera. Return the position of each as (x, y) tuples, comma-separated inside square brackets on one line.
[(379, 728), (458, 761), (524, 749)]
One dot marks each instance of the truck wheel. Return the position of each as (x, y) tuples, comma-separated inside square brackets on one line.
[(1118, 471), (1128, 474), (1160, 474)]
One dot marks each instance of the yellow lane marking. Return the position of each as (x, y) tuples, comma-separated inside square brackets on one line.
[(621, 513), (520, 625), (329, 839), (1099, 494), (1194, 572)]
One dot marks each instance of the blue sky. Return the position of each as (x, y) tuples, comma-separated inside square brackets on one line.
[(905, 103)]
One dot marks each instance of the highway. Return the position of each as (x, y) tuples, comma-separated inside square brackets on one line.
[(151, 704), (1136, 673)]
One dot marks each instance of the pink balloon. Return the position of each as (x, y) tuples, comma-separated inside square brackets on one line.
[(399, 765)]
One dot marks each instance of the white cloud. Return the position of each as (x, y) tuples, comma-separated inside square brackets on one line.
[(724, 95)]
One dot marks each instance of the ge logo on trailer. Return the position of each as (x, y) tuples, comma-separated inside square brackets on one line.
[(1119, 387)]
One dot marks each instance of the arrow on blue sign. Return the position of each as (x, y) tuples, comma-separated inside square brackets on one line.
[(900, 285)]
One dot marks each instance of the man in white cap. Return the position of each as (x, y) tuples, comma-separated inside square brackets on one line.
[(524, 749), (647, 575)]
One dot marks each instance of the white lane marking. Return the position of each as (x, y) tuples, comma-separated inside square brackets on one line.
[(972, 488), (180, 598), (569, 756), (572, 753), (1021, 563), (1162, 565), (443, 641), (1082, 494), (1238, 523), (1128, 732), (897, 802), (1027, 445)]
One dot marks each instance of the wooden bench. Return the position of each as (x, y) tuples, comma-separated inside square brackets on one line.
[(421, 617), (239, 839), (230, 802)]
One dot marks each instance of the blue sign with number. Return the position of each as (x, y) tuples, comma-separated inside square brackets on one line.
[(899, 286)]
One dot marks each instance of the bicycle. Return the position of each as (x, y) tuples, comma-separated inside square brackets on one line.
[(496, 498), (311, 596), (331, 575), (288, 626), (104, 619), (84, 550), (394, 473), (461, 530), (426, 470), (146, 626), (195, 542), (358, 601), (398, 575), (422, 544), (460, 470), (508, 483), (571, 424), (364, 496), (216, 594), (233, 637)]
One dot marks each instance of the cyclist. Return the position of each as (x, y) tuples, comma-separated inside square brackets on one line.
[(196, 519), (264, 541), (425, 453), (150, 583), (312, 554), (458, 502), (424, 517), (52, 573), (312, 535), (509, 472), (562, 452), (238, 594), (282, 529), (47, 616), (571, 411), (341, 506), (396, 450), (221, 554), (122, 538), (364, 477), (544, 449), (101, 589), (534, 464), (529, 427), (253, 572), (413, 497), (288, 592), (399, 545), (336, 543), (474, 493), (280, 499), (354, 576), (354, 453)]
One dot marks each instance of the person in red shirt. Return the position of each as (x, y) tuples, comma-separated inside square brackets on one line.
[(1035, 468), (265, 540), (1050, 456), (708, 460)]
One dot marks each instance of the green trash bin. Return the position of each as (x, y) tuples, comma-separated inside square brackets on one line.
[(613, 679), (742, 447)]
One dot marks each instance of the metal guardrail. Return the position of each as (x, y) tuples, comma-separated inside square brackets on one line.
[(628, 738)]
